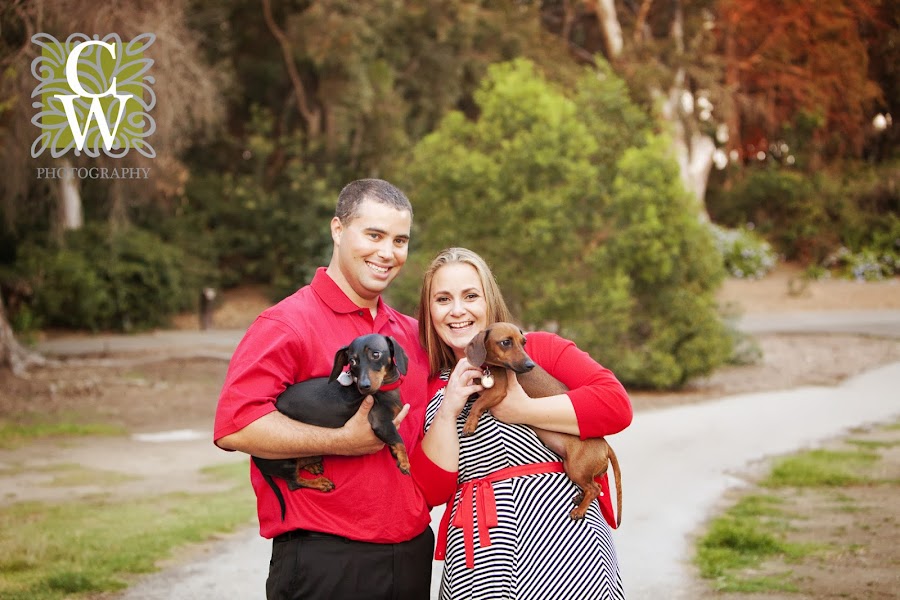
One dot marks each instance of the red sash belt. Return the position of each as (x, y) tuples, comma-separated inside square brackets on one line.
[(482, 492)]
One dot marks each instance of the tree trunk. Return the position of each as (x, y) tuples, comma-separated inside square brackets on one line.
[(118, 211), (608, 21), (693, 150), (12, 354), (70, 213)]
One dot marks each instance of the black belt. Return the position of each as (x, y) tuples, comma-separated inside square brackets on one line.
[(305, 533)]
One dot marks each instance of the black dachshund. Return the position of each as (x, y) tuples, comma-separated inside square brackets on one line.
[(377, 364)]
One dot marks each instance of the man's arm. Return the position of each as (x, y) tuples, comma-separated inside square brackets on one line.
[(276, 436)]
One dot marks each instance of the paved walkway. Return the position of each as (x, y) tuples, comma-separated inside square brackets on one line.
[(676, 462)]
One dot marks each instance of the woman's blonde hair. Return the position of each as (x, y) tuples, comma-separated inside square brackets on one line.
[(440, 355)]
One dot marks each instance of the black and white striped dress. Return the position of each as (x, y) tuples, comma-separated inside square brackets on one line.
[(536, 551)]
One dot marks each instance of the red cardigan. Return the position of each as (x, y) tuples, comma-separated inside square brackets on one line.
[(601, 404)]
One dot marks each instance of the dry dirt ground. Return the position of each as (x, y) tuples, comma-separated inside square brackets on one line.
[(161, 395)]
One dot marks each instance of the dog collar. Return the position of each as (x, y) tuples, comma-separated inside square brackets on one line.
[(389, 387)]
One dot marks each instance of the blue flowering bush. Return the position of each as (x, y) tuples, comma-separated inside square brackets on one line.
[(865, 265), (746, 255)]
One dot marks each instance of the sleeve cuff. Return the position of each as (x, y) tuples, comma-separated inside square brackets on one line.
[(437, 484)]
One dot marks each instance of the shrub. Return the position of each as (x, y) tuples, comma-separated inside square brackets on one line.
[(675, 332), (607, 250), (845, 221), (786, 207), (122, 280), (746, 255)]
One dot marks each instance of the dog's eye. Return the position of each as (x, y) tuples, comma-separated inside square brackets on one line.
[(506, 343), (353, 361), (376, 355)]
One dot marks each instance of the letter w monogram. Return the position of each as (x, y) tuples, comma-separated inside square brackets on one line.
[(96, 110)]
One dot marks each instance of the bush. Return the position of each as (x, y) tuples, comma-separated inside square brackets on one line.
[(785, 207), (607, 250), (745, 254), (674, 331), (104, 280), (845, 221)]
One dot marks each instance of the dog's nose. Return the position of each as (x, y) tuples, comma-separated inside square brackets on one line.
[(364, 384), (529, 365)]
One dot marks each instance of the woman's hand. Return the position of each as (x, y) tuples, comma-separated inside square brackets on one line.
[(441, 443), (459, 387)]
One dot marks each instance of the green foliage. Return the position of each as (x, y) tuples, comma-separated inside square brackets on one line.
[(745, 253), (102, 279), (674, 332), (517, 185), (276, 237), (784, 206), (846, 221), (606, 249), (274, 233)]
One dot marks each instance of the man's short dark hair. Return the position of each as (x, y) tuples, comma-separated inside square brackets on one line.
[(378, 190)]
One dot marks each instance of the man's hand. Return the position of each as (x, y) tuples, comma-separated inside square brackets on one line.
[(357, 432)]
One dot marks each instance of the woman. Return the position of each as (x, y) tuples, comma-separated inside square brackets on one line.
[(507, 531)]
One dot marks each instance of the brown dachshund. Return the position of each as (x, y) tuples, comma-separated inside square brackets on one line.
[(377, 364), (503, 345)]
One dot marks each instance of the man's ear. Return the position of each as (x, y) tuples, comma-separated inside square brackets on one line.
[(337, 228)]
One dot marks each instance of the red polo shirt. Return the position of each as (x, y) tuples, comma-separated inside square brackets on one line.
[(296, 340)]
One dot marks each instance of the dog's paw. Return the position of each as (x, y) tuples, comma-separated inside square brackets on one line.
[(577, 514), (323, 484), (315, 468)]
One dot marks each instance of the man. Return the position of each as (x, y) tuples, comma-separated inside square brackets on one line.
[(369, 538)]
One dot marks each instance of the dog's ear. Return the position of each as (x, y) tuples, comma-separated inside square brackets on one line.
[(399, 355), (341, 360), (475, 350)]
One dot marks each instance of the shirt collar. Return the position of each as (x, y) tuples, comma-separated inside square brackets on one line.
[(327, 289)]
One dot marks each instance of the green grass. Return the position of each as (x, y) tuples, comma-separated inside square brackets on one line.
[(71, 475), (13, 435), (755, 530), (750, 532), (874, 444), (822, 468), (88, 546)]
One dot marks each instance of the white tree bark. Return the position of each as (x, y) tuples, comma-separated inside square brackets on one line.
[(694, 152), (609, 24), (71, 216)]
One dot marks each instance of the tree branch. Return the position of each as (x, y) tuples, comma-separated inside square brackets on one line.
[(310, 116)]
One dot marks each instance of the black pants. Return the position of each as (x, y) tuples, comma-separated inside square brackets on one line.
[(307, 565)]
